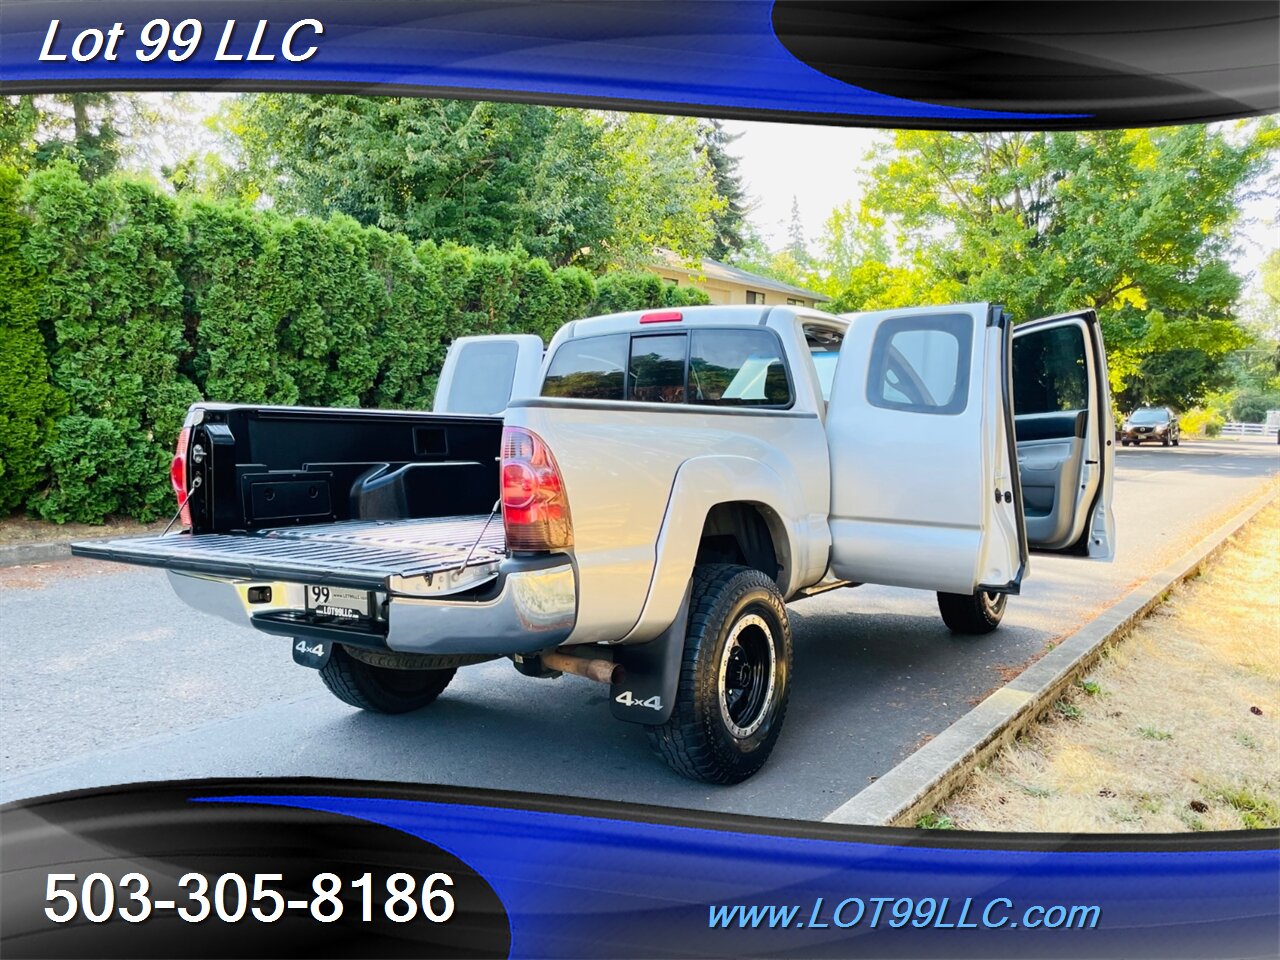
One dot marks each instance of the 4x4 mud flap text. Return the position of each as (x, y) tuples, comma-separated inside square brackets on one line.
[(311, 653), (651, 673)]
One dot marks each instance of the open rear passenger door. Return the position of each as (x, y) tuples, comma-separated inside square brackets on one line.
[(1065, 435), (923, 488)]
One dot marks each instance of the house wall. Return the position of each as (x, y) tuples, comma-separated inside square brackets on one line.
[(724, 292)]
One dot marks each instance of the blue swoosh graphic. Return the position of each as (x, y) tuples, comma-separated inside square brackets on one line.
[(587, 885), (684, 54)]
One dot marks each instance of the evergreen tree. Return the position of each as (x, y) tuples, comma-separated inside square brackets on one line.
[(796, 245), (730, 223)]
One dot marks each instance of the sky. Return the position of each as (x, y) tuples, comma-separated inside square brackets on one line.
[(820, 167), (823, 167)]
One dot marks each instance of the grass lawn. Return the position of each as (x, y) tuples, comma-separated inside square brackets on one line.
[(1177, 727)]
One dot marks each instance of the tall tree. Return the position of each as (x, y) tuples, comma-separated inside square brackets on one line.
[(663, 192), (473, 172), (851, 237), (93, 131), (796, 244), (730, 222), (19, 121), (1134, 223), (567, 185), (1257, 367)]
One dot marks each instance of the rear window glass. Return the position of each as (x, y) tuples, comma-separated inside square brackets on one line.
[(1050, 374), (921, 364), (717, 367), (657, 369), (590, 369), (483, 375), (1149, 415), (737, 368)]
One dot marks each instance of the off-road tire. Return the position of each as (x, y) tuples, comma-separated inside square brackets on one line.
[(973, 614), (381, 689), (701, 740)]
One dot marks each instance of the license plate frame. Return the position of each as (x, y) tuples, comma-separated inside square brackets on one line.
[(338, 603)]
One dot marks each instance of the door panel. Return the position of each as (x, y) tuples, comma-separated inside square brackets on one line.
[(1064, 439), (919, 453), (481, 375)]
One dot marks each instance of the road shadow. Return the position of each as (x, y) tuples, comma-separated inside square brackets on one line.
[(868, 689), (1218, 461)]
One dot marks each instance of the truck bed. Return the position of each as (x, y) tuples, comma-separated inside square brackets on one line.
[(352, 553)]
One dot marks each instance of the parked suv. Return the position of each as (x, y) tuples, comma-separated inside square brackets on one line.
[(1150, 424)]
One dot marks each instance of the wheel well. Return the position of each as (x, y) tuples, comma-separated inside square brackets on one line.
[(740, 533)]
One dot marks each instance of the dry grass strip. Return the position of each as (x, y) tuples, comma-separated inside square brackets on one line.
[(1177, 728)]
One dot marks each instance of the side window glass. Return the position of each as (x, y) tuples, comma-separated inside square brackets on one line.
[(657, 369), (589, 369), (1050, 372), (921, 364), (738, 368), (824, 361)]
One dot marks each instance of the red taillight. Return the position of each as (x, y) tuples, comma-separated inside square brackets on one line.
[(662, 316), (178, 476), (535, 510)]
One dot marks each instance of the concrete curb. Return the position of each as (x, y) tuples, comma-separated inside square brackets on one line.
[(937, 769), (13, 555), (46, 551)]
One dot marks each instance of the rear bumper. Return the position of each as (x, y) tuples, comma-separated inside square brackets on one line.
[(530, 606), (1134, 437)]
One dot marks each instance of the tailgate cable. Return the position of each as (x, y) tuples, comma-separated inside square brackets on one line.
[(492, 513), (186, 497)]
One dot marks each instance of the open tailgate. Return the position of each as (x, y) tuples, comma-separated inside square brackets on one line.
[(363, 554)]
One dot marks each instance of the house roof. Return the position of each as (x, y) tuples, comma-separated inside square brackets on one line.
[(715, 270)]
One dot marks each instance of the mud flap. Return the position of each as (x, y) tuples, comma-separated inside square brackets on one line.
[(647, 693), (311, 653)]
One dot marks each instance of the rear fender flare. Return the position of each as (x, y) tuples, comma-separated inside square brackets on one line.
[(700, 484)]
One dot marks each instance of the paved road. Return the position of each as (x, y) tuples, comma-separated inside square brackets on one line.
[(108, 679)]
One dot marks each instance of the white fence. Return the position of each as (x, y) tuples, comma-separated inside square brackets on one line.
[(1248, 430)]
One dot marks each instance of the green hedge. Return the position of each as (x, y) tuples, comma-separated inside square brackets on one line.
[(120, 306), (28, 402), (110, 303)]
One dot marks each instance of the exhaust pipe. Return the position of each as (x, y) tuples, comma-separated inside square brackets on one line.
[(601, 671)]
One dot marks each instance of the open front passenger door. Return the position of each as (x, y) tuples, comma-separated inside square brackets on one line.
[(1065, 435)]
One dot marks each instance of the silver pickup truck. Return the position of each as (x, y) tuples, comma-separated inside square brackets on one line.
[(638, 503)]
